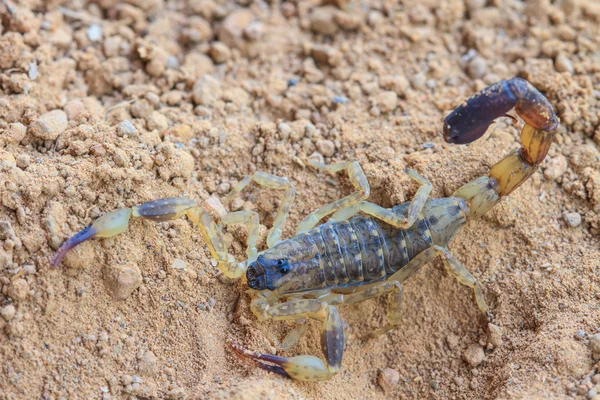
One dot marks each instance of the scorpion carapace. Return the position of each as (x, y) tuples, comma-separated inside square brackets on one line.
[(364, 250)]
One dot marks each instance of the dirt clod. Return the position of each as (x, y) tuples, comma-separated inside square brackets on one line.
[(573, 219), (387, 101), (388, 379), (19, 289), (148, 365), (49, 126), (122, 280), (8, 312), (126, 128), (594, 344), (473, 355), (556, 167), (495, 335)]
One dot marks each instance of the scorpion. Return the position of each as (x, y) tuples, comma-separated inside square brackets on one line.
[(364, 250)]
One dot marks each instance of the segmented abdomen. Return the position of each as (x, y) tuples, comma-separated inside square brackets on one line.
[(363, 249)]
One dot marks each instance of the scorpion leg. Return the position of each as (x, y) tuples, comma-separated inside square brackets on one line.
[(250, 219), (452, 264), (293, 336), (213, 237), (462, 275), (414, 209), (359, 181), (304, 368), (115, 222), (394, 307), (272, 182)]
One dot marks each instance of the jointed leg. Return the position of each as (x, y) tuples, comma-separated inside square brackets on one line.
[(115, 222), (271, 182), (293, 336), (452, 264), (414, 209), (462, 275), (359, 181), (304, 368), (394, 307), (250, 219)]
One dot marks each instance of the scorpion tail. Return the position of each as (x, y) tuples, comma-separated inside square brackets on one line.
[(470, 121)]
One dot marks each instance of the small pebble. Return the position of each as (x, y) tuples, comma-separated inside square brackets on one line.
[(126, 128), (232, 27), (32, 73), (556, 167), (458, 380), (157, 121), (326, 147), (176, 394), (29, 269), (173, 62), (8, 312), (191, 273), (94, 33), (148, 364), (126, 380), (562, 63), (23, 161), (15, 132), (397, 83), (475, 4), (6, 230), (219, 52), (322, 20), (388, 379), (50, 125), (594, 344), (340, 100), (285, 130), (477, 68), (573, 219), (211, 302), (206, 91), (178, 264), (452, 341), (19, 289), (387, 101), (473, 355), (225, 187), (122, 280), (495, 335)]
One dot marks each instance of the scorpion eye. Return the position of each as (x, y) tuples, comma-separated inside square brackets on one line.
[(284, 267)]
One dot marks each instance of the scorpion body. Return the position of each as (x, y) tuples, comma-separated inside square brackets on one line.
[(364, 250), (359, 251)]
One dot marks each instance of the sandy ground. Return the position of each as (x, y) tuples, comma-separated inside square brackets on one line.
[(183, 97)]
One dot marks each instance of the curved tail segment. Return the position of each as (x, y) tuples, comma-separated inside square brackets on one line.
[(471, 120)]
